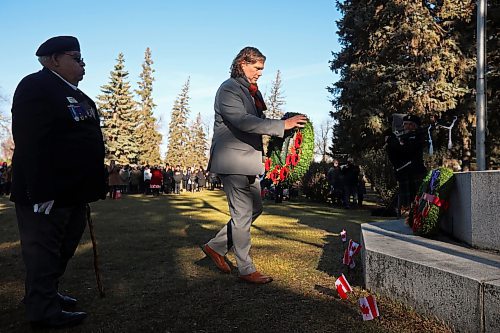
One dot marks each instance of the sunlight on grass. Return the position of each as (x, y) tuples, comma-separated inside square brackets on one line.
[(180, 232), (158, 279), (9, 245), (6, 205), (215, 226), (83, 248)]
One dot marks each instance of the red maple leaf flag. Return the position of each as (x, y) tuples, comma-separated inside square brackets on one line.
[(343, 235), (352, 249), (343, 287), (369, 308), (346, 260)]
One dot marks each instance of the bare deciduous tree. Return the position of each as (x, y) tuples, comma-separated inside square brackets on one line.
[(6, 141), (4, 120), (323, 138)]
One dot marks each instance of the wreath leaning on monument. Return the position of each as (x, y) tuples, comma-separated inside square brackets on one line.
[(288, 158), (431, 202)]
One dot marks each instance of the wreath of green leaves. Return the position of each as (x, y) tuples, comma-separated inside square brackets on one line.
[(289, 158), (425, 215)]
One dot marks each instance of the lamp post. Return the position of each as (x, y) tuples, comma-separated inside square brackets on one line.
[(480, 86)]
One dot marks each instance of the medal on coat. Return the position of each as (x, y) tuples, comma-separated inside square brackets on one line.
[(74, 112), (81, 111), (72, 100)]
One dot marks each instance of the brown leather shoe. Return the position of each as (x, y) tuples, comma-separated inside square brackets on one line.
[(218, 260), (257, 278)]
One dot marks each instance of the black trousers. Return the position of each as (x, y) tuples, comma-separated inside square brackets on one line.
[(47, 243)]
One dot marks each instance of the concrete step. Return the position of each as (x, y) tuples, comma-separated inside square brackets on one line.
[(457, 284)]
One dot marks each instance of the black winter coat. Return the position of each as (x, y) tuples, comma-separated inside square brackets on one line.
[(59, 148), (406, 154)]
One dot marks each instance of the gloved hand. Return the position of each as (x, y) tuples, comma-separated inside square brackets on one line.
[(43, 207)]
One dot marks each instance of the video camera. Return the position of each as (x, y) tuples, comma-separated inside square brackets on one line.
[(397, 123)]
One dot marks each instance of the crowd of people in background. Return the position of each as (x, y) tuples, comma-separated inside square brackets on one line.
[(347, 184), (155, 180), (5, 178)]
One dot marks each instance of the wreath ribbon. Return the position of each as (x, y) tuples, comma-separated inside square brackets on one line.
[(430, 203), (435, 200)]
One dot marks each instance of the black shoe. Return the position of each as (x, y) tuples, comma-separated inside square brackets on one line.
[(60, 320), (66, 301)]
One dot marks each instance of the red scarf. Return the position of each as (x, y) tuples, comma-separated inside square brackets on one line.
[(259, 102)]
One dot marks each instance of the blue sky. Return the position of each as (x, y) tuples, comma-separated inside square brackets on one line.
[(196, 39)]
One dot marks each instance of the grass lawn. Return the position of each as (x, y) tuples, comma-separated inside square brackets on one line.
[(157, 279)]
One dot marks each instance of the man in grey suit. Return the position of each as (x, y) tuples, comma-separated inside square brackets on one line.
[(236, 156)]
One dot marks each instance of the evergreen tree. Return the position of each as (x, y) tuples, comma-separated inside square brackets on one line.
[(198, 143), (119, 116), (397, 57), (458, 22), (275, 101), (147, 136), (401, 56), (178, 132), (493, 82), (190, 145)]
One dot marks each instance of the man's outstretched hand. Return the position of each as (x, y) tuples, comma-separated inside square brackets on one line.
[(297, 121)]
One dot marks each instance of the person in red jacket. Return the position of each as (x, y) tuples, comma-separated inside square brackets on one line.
[(156, 180)]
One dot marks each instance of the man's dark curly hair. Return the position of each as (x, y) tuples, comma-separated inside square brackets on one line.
[(248, 54)]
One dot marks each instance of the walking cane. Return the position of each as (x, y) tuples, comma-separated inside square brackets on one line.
[(96, 255)]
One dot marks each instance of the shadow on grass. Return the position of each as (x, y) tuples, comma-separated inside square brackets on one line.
[(332, 221), (157, 278)]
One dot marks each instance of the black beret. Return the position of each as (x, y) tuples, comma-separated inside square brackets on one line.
[(413, 118), (58, 44)]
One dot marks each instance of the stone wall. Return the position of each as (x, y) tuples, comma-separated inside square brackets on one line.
[(474, 213)]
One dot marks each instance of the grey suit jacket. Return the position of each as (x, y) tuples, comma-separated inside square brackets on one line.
[(238, 129)]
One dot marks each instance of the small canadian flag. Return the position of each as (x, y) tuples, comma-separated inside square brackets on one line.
[(343, 287), (368, 307), (343, 235), (352, 249)]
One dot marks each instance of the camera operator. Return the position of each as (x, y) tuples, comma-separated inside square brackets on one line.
[(350, 173), (405, 152)]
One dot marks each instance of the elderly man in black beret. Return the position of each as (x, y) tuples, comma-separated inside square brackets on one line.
[(405, 152), (57, 170)]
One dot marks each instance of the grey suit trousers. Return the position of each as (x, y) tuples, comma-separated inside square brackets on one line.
[(47, 244), (245, 205)]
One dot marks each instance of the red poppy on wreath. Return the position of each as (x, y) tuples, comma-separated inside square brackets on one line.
[(268, 164), (290, 156), (284, 172), (298, 140), (274, 175)]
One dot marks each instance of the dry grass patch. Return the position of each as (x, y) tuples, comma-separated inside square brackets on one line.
[(157, 279)]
